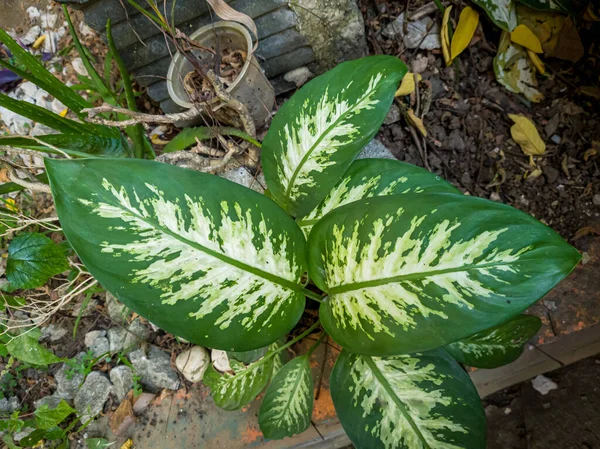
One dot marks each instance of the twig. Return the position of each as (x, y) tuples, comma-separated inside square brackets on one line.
[(139, 117), (33, 186), (423, 11)]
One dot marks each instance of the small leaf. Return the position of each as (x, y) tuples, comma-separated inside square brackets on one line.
[(522, 35), (502, 12), (98, 443), (526, 135), (416, 122), (407, 86), (45, 417), (33, 259), (26, 348), (496, 346), (537, 62), (423, 400), (445, 36), (287, 406), (467, 24)]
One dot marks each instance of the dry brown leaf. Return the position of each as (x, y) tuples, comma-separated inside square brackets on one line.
[(416, 122), (4, 175), (526, 135), (590, 91)]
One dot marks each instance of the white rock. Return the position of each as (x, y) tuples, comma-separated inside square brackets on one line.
[(298, 76), (542, 384), (60, 33), (41, 99), (33, 13), (48, 20), (85, 30), (57, 106), (419, 64), (79, 67), (192, 363), (375, 149), (50, 44), (220, 360), (420, 33), (32, 35), (27, 90)]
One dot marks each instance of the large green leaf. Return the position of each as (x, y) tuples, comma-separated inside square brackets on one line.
[(496, 346), (26, 348), (33, 259), (414, 272), (232, 391), (565, 6), (287, 406), (46, 418), (199, 256), (502, 12), (318, 132), (423, 401), (367, 178), (83, 145)]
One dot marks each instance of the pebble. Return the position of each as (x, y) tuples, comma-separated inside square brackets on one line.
[(89, 400), (91, 336), (543, 385), (154, 369), (116, 310), (422, 33), (68, 380), (555, 138), (192, 363), (31, 36), (298, 76), (142, 402), (9, 405), (243, 177), (220, 360), (392, 116), (116, 338), (79, 67), (375, 149), (138, 333), (48, 20), (33, 13), (122, 379), (596, 199), (53, 332)]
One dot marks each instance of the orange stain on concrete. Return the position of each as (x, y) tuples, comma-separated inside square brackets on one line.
[(323, 408), (251, 435)]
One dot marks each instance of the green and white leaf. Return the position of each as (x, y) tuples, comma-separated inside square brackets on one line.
[(318, 132), (367, 178), (199, 256), (417, 401), (81, 145), (26, 348), (565, 6), (496, 346), (402, 271), (287, 406), (515, 71), (232, 391), (502, 12), (33, 258), (46, 418)]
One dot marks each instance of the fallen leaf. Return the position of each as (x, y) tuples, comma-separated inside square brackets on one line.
[(64, 112), (407, 86), (534, 174), (557, 33), (587, 230), (564, 165), (11, 205), (416, 122), (445, 36), (467, 24), (4, 175), (590, 152), (592, 13), (515, 71), (537, 62), (155, 138), (127, 444), (590, 91), (39, 41), (526, 135), (522, 35), (122, 418)]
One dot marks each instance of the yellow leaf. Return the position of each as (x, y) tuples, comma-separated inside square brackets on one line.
[(537, 62), (526, 135), (522, 35), (156, 140), (64, 112), (11, 205), (407, 86), (39, 41), (416, 122), (127, 444), (467, 24), (445, 36)]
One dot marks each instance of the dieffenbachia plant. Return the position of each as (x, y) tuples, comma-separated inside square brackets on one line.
[(411, 275)]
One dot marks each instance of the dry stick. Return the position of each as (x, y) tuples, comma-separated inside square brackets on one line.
[(423, 11), (33, 186)]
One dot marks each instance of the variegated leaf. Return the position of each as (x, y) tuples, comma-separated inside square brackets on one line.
[(514, 69), (565, 6), (367, 178), (416, 401), (287, 406), (502, 12), (233, 391), (318, 132), (402, 271), (496, 346), (199, 256)]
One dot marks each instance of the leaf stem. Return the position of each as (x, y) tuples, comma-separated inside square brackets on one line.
[(291, 342), (312, 295), (317, 343)]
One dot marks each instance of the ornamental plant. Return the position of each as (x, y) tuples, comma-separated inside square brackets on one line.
[(412, 276)]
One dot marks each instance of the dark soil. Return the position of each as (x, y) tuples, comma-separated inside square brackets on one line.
[(469, 140)]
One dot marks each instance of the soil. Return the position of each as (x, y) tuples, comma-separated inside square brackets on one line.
[(13, 12), (469, 139)]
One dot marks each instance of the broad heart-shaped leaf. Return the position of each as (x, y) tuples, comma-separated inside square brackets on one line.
[(33, 259), (26, 348), (423, 400), (45, 417), (233, 391), (367, 178), (287, 406), (199, 256), (318, 132), (502, 12), (496, 346), (82, 145), (415, 272)]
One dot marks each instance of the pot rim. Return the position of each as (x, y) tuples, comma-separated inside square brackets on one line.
[(178, 59)]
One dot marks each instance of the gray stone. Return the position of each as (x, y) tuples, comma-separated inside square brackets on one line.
[(53, 400), (596, 199), (116, 310), (53, 332), (100, 346), (299, 76), (122, 379), (138, 333), (116, 339), (91, 336), (551, 174), (375, 149), (142, 402), (94, 392), (422, 33), (7, 406), (154, 369), (455, 141), (393, 115), (68, 380)]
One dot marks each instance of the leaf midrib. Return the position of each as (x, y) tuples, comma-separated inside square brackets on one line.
[(222, 257), (299, 377), (408, 277), (386, 385)]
